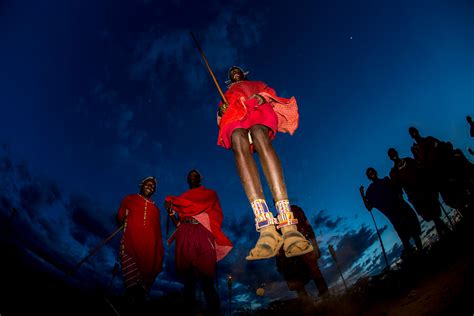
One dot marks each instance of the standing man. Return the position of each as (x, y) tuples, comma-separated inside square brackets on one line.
[(200, 242), (297, 271), (449, 170), (248, 123), (407, 175), (382, 195), (141, 249)]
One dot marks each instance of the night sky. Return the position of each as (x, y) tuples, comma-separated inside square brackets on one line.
[(96, 95)]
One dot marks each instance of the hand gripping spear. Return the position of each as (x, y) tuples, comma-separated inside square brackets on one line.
[(224, 100)]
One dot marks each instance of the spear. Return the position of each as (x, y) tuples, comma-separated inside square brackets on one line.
[(209, 69), (333, 255), (93, 251), (376, 228), (446, 214)]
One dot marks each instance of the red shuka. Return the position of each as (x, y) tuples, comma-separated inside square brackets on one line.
[(203, 204), (142, 235), (239, 92)]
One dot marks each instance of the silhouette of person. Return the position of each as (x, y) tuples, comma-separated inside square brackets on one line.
[(249, 122), (200, 242), (384, 196), (471, 132), (447, 168), (471, 125), (407, 175), (298, 271)]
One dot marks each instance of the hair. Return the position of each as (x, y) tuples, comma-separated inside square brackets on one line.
[(150, 178)]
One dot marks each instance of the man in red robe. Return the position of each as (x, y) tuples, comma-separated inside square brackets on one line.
[(248, 122), (200, 242), (141, 249)]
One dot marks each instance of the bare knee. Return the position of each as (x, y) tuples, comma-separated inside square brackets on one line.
[(260, 137), (240, 141)]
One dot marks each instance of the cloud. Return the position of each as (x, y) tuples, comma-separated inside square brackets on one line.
[(164, 57), (50, 226), (324, 220), (350, 248)]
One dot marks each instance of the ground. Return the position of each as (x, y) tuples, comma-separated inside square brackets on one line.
[(433, 283)]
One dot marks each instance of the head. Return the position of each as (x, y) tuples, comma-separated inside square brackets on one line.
[(194, 179), (392, 154), (148, 186), (469, 119), (371, 174), (413, 131), (297, 211), (236, 74)]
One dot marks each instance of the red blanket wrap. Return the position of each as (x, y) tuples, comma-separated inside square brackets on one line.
[(141, 240), (203, 204)]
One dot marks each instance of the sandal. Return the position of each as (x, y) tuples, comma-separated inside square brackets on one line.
[(295, 244), (268, 244)]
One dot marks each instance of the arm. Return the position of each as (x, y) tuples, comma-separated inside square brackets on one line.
[(122, 212), (171, 213)]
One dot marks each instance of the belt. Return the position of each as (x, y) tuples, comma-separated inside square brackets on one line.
[(189, 221)]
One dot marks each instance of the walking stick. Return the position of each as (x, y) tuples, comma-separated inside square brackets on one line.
[(209, 69), (380, 239), (377, 230), (446, 214), (229, 286), (93, 251), (333, 255)]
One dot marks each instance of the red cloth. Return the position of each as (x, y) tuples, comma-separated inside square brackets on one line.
[(142, 236), (195, 202), (237, 95), (256, 114), (195, 248)]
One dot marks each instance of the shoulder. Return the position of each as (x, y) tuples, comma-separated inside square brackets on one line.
[(128, 198)]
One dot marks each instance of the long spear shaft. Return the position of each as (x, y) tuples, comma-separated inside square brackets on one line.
[(209, 68), (93, 251), (446, 214), (377, 230), (380, 239)]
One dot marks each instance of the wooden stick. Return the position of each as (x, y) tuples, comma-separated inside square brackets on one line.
[(209, 69)]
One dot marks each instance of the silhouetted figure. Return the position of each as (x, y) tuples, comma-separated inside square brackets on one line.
[(298, 271), (200, 242), (471, 131), (141, 249), (407, 175), (446, 168), (383, 195), (471, 125)]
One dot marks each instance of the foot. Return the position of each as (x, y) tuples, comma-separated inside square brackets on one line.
[(295, 244), (268, 244)]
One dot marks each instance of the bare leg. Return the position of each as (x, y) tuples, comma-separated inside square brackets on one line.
[(270, 240), (246, 165), (270, 162), (295, 243)]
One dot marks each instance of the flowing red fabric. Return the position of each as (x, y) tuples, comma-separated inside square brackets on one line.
[(142, 235), (193, 203), (240, 92)]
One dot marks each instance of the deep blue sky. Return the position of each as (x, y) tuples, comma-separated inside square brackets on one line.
[(96, 95)]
